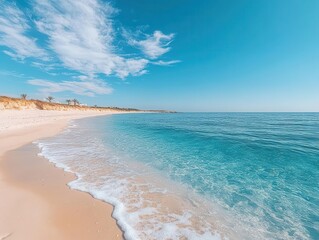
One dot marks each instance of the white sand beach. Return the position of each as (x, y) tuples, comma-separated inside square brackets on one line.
[(35, 201)]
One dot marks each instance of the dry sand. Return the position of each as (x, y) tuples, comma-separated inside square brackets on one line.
[(35, 200)]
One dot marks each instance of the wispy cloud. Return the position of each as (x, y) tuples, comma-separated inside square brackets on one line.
[(84, 87), (13, 74), (79, 37), (153, 46), (81, 33), (13, 33), (165, 63)]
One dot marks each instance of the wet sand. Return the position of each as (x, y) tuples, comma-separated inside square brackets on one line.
[(35, 201)]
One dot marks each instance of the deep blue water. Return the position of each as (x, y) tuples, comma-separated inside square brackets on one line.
[(262, 169)]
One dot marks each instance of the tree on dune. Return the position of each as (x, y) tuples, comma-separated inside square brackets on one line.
[(75, 102), (50, 99), (24, 96), (68, 101)]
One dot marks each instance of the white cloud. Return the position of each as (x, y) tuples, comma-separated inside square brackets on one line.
[(81, 33), (13, 33), (12, 74), (46, 67), (154, 45), (86, 87), (165, 63), (78, 37)]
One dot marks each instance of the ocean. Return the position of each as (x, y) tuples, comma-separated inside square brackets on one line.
[(198, 175)]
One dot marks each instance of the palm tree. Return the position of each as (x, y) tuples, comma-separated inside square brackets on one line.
[(50, 99), (68, 101), (75, 102), (24, 96)]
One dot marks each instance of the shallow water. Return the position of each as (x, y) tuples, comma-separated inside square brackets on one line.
[(199, 175)]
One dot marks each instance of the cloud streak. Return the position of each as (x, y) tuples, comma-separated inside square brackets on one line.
[(13, 33), (85, 88), (165, 63), (155, 45)]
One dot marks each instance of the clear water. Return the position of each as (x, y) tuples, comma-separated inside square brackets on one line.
[(199, 175)]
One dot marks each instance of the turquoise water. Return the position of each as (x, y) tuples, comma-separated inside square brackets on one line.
[(255, 174)]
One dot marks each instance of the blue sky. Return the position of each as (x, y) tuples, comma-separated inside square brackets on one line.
[(184, 55)]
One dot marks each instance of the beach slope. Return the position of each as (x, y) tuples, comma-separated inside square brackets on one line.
[(35, 201)]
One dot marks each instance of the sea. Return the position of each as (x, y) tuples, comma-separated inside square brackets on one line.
[(198, 175)]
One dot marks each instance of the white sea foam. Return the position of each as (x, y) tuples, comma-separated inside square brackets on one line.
[(139, 202)]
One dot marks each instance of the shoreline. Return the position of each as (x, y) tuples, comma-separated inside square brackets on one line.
[(35, 189)]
